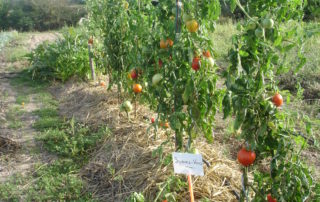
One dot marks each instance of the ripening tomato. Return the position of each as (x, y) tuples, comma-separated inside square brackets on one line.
[(207, 53), (137, 88), (169, 42), (277, 100), (163, 44), (196, 64), (165, 200), (192, 26), (245, 157), (126, 5), (271, 199), (152, 120), (165, 125), (133, 74)]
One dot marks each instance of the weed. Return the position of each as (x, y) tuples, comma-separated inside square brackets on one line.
[(13, 117), (71, 142), (48, 123)]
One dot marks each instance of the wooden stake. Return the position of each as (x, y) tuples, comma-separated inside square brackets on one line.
[(91, 64), (190, 188)]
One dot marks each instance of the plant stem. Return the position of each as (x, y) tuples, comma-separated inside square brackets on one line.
[(91, 63)]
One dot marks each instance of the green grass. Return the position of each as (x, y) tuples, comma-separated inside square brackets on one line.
[(57, 181), (14, 54), (13, 116), (222, 39)]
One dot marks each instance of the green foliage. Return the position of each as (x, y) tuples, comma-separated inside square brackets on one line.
[(75, 140), (170, 188), (312, 9), (256, 59), (50, 182), (65, 58), (136, 197), (68, 139), (26, 15)]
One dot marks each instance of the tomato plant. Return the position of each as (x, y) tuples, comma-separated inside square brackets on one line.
[(250, 80)]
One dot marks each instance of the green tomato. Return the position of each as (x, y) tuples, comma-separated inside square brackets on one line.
[(127, 106), (156, 79), (267, 23), (251, 25), (210, 61), (174, 10), (259, 32)]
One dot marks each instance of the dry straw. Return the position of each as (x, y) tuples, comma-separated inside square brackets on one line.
[(124, 164)]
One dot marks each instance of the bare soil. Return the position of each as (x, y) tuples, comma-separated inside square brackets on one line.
[(18, 149)]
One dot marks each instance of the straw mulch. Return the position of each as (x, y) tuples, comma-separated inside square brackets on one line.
[(125, 164)]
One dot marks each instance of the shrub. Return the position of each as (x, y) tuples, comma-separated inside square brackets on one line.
[(65, 58)]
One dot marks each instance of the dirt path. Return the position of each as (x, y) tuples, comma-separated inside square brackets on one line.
[(18, 149)]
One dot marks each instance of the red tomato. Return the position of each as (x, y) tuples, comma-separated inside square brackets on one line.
[(277, 100), (165, 200), (196, 64), (246, 158), (152, 120), (134, 74), (270, 199)]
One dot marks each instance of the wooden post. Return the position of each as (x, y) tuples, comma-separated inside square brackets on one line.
[(91, 64)]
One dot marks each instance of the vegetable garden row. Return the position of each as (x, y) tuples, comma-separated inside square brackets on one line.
[(160, 53)]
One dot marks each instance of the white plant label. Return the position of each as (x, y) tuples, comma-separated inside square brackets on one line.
[(189, 164)]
